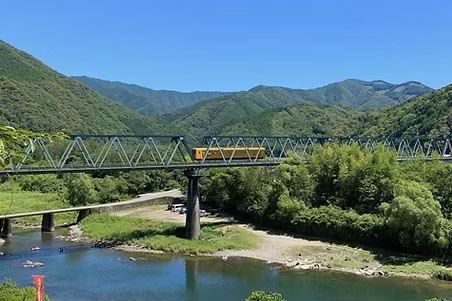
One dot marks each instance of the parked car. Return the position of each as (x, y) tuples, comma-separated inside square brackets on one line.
[(176, 207)]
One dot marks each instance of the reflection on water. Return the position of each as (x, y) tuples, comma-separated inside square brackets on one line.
[(85, 273)]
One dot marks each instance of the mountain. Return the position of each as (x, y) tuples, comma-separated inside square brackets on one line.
[(363, 95), (212, 116), (36, 97), (426, 115), (301, 119), (144, 100)]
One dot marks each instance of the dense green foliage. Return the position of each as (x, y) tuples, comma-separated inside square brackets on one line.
[(211, 116), (263, 296), (9, 291), (300, 119), (362, 94), (166, 236), (11, 138), (346, 194), (82, 189), (144, 100), (35, 97), (426, 115)]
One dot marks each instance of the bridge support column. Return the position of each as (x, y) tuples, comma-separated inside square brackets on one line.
[(47, 223), (82, 214), (5, 226), (192, 222)]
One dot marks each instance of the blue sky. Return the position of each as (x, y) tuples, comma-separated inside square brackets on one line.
[(234, 45)]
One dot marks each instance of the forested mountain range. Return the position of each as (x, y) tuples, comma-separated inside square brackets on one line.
[(301, 119), (426, 115), (36, 97), (212, 116), (144, 100)]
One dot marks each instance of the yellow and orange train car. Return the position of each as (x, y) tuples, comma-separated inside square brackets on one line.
[(239, 153)]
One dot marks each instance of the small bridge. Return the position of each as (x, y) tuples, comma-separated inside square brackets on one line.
[(48, 220)]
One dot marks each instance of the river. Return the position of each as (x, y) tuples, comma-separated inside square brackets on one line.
[(85, 273)]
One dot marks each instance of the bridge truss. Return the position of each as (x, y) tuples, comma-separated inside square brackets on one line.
[(97, 153)]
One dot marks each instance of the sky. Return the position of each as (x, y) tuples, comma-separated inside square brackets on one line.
[(231, 45)]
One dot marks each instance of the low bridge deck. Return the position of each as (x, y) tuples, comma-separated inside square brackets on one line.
[(142, 199), (47, 221)]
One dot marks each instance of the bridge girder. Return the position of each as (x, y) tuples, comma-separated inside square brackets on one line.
[(97, 153)]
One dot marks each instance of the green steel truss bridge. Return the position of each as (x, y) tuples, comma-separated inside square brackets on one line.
[(97, 153)]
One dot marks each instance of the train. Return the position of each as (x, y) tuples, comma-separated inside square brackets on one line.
[(240, 153)]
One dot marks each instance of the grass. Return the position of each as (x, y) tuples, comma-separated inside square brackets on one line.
[(166, 236), (335, 255), (349, 257), (16, 201), (412, 265)]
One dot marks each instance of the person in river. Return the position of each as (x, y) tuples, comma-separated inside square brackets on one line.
[(60, 250)]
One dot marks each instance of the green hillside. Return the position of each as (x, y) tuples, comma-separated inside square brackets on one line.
[(363, 95), (36, 97), (144, 100), (212, 116), (301, 119), (426, 115)]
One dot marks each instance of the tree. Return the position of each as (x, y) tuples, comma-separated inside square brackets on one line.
[(107, 191), (293, 175), (12, 142), (288, 208), (80, 189), (415, 217)]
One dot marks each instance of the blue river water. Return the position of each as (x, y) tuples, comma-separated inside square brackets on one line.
[(85, 273)]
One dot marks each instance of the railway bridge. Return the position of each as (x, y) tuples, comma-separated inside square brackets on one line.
[(104, 153)]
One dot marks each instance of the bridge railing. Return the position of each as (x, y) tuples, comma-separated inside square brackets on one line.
[(91, 153)]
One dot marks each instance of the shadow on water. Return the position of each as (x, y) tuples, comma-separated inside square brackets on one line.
[(191, 278)]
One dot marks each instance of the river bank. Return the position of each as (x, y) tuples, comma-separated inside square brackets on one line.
[(297, 253)]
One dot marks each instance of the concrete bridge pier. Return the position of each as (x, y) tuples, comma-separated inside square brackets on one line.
[(5, 227), (47, 223), (82, 214), (192, 222)]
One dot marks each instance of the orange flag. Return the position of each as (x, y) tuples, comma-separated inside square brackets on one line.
[(38, 280)]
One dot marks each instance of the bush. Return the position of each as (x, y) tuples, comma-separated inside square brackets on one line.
[(333, 222), (263, 296), (9, 291), (443, 275)]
